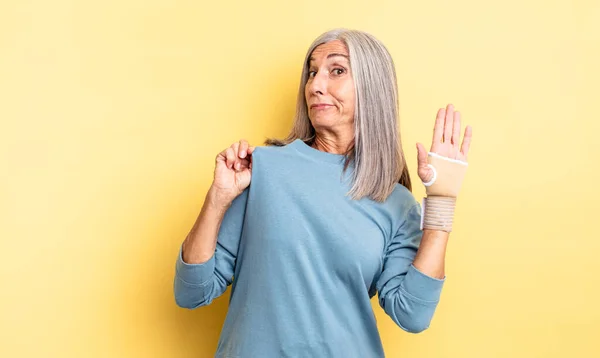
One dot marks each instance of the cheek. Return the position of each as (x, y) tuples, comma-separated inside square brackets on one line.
[(306, 92), (346, 96)]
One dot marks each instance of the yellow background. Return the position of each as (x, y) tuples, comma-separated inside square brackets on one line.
[(112, 113)]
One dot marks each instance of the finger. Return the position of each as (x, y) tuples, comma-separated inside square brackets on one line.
[(243, 148), (425, 173), (421, 156), (456, 129), (250, 151), (236, 153), (244, 163), (221, 156), (230, 155), (449, 122), (438, 129), (464, 148), (236, 148)]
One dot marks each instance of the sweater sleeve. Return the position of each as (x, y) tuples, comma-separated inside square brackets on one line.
[(406, 294), (198, 285)]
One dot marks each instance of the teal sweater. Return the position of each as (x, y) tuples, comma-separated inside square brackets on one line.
[(307, 260)]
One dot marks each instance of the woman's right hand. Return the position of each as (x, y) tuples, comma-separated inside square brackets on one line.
[(233, 171)]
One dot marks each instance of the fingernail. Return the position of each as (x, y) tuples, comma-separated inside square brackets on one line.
[(243, 153)]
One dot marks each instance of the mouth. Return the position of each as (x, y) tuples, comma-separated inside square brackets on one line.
[(320, 106)]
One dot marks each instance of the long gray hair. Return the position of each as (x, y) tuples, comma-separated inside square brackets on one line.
[(377, 151)]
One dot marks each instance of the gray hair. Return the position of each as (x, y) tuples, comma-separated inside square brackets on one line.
[(377, 151)]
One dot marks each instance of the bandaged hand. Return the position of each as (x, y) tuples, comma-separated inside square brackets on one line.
[(443, 169)]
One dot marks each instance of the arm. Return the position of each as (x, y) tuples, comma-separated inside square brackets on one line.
[(206, 260), (431, 255), (442, 171), (407, 294), (413, 273), (200, 244)]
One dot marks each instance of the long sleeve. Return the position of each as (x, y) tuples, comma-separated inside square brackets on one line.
[(198, 285), (406, 294)]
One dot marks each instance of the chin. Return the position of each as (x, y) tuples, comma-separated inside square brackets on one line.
[(323, 117), (322, 122)]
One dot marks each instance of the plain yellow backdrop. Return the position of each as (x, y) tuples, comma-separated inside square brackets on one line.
[(112, 114)]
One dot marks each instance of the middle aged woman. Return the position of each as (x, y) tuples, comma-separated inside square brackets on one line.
[(329, 219)]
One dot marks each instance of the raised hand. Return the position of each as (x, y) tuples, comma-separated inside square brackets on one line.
[(233, 172), (446, 139)]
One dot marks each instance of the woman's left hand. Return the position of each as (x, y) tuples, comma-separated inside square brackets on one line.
[(446, 139)]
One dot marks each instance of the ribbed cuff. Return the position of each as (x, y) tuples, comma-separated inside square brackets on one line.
[(195, 274), (438, 213), (422, 286)]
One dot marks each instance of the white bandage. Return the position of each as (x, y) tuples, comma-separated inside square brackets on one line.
[(442, 190)]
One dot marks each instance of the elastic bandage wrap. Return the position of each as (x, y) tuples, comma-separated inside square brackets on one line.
[(442, 190)]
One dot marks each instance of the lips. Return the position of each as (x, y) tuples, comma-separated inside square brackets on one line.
[(320, 105)]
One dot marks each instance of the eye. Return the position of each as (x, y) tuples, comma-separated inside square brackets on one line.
[(338, 71), (312, 74)]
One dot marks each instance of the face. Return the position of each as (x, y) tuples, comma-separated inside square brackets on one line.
[(329, 91)]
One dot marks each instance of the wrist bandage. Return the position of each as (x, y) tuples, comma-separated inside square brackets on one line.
[(438, 207)]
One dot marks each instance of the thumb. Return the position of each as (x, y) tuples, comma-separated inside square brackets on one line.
[(244, 177), (421, 155)]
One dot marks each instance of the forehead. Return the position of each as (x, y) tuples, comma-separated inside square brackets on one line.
[(329, 48)]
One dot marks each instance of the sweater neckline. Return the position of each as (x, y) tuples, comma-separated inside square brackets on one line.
[(314, 153)]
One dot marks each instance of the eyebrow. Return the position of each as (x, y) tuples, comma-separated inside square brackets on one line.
[(330, 56)]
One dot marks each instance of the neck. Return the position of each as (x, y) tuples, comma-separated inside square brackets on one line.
[(333, 144)]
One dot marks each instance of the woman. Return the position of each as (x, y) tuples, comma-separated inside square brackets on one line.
[(329, 219)]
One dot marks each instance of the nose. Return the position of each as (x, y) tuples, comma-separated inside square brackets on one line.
[(318, 84)]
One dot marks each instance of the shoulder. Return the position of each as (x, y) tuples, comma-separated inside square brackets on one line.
[(398, 205), (268, 150), (402, 198), (404, 206), (399, 209), (272, 158), (408, 215), (272, 152)]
